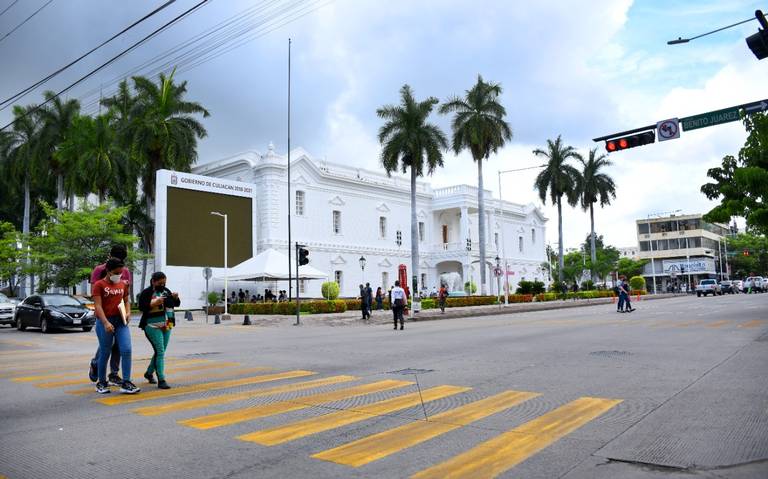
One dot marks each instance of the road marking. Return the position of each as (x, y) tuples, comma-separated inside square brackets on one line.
[(755, 323), (718, 324), (191, 364), (246, 414), (191, 377), (307, 427), (234, 397), (180, 390), (381, 445), (497, 455), (690, 323)]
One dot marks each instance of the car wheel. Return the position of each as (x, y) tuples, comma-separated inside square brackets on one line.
[(87, 329), (698, 295), (19, 325), (44, 328)]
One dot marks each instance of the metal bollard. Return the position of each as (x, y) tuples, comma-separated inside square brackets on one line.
[(217, 320), (247, 320), (188, 315)]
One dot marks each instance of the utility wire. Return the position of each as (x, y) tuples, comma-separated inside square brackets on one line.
[(113, 59), (5, 103), (26, 20), (14, 2)]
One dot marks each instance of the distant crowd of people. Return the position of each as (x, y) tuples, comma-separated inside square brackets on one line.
[(246, 297)]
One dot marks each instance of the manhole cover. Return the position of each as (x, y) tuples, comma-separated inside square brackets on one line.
[(611, 354), (411, 371)]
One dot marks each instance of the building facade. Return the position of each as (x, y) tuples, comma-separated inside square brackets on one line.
[(682, 250), (343, 213)]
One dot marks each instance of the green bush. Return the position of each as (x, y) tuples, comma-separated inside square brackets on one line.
[(325, 307), (637, 283), (353, 304), (538, 287), (541, 297), (524, 287), (428, 303), (330, 290), (588, 285), (470, 287), (470, 301)]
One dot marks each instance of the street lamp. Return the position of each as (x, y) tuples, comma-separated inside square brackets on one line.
[(498, 280), (362, 266), (226, 268)]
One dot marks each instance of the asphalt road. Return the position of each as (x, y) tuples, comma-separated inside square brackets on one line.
[(676, 389)]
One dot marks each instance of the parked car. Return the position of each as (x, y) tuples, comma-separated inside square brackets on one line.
[(7, 308), (738, 285), (49, 311), (755, 283), (728, 287), (708, 286)]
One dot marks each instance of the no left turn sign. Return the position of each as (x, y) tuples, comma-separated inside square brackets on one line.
[(668, 129)]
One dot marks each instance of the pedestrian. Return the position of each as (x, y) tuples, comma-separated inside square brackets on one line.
[(233, 298), (627, 302), (400, 301), (113, 313), (619, 292), (363, 305), (369, 298), (157, 319), (241, 296), (379, 299), (120, 252), (442, 296)]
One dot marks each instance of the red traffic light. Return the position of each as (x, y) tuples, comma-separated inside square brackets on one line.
[(630, 141), (746, 252)]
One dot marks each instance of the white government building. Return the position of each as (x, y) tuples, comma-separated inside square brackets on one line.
[(342, 213)]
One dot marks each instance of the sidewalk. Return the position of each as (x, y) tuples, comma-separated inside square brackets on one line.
[(353, 317)]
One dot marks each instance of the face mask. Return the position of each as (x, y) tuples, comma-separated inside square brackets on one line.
[(159, 287), (115, 278)]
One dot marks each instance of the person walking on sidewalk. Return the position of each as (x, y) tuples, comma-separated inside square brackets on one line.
[(379, 299), (369, 298), (363, 302), (399, 302), (113, 312), (442, 296), (627, 302), (156, 304), (120, 252)]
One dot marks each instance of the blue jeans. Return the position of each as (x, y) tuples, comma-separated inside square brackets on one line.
[(620, 306), (122, 336), (114, 359)]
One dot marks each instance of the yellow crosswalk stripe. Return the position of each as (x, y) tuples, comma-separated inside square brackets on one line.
[(718, 324), (52, 364), (187, 365), (307, 427), (189, 404), (180, 390), (191, 377), (372, 448), (755, 323), (505, 451), (247, 414)]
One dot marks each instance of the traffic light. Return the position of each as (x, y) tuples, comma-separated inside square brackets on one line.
[(758, 42), (469, 244), (746, 252), (631, 141), (303, 256)]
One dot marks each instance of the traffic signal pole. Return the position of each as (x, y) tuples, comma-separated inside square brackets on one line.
[(298, 293)]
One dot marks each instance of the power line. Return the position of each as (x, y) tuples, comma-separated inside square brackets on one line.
[(113, 59), (26, 20), (9, 7), (5, 103)]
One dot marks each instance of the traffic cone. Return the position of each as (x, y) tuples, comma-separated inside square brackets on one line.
[(247, 320)]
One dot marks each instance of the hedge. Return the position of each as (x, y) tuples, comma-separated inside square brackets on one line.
[(286, 308), (577, 295)]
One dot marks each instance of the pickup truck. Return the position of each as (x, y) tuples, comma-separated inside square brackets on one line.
[(708, 286), (755, 284)]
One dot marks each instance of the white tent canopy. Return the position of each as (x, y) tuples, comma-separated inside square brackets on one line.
[(270, 265)]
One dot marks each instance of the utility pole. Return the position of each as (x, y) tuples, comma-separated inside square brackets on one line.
[(290, 283)]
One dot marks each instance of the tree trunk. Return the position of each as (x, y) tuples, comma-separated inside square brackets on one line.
[(25, 284), (481, 225), (414, 237), (592, 241), (560, 259)]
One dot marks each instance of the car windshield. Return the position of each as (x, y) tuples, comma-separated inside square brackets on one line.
[(708, 281), (4, 298), (61, 300), (84, 300)]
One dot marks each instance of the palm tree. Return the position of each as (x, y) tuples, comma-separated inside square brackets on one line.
[(480, 127), (409, 142), (20, 157), (595, 186), (57, 120), (558, 179)]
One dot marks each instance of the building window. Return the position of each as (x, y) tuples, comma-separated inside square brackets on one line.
[(520, 243), (299, 203), (445, 234), (399, 238), (382, 227), (337, 222), (385, 281), (337, 276), (423, 280), (302, 286), (421, 231), (533, 235)]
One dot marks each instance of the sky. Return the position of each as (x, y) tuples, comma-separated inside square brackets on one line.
[(571, 68)]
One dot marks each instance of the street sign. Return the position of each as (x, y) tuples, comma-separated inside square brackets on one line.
[(711, 118), (497, 271), (756, 107), (668, 129)]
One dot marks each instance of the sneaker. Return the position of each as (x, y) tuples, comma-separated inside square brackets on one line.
[(93, 372), (115, 379), (102, 388), (150, 378), (129, 388), (163, 385)]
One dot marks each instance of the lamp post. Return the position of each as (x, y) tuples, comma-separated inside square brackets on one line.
[(226, 268), (498, 280), (362, 267)]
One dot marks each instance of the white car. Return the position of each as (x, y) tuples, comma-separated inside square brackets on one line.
[(7, 308), (738, 285), (708, 286), (755, 283)]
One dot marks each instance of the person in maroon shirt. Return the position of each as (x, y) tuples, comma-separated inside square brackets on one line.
[(120, 252)]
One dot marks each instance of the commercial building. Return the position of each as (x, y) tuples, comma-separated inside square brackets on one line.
[(343, 213), (682, 250)]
